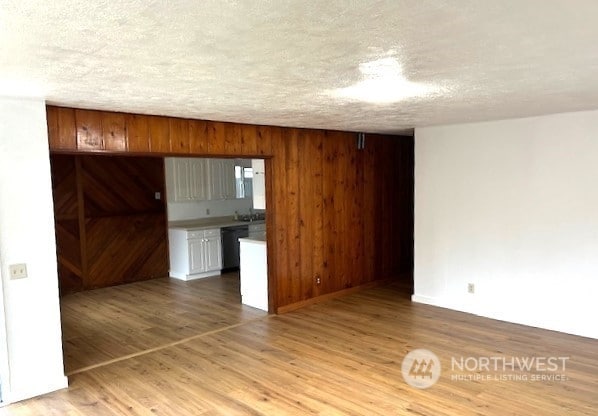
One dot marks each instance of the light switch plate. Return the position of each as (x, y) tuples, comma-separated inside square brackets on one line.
[(18, 271)]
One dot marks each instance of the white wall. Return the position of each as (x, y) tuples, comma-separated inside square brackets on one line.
[(31, 306), (511, 206)]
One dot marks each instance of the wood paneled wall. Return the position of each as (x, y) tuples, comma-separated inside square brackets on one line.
[(110, 229), (338, 217)]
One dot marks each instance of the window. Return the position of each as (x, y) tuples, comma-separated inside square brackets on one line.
[(243, 181)]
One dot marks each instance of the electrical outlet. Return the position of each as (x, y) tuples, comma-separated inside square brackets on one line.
[(18, 271), (470, 288), (318, 280), (207, 211), (157, 195)]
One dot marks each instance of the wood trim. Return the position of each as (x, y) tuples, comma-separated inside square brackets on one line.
[(332, 295), (271, 247)]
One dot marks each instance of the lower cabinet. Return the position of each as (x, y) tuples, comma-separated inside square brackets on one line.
[(195, 254)]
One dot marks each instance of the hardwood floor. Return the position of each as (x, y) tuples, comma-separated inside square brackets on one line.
[(339, 357), (106, 324)]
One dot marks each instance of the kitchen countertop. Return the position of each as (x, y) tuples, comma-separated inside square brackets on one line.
[(207, 223)]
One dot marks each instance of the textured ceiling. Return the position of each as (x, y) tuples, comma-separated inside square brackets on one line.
[(296, 63)]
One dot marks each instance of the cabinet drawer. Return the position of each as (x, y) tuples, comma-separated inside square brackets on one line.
[(212, 233)]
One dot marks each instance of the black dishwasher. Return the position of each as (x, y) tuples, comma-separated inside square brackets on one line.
[(230, 245)]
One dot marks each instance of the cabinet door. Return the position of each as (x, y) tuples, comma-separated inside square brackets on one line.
[(216, 181), (213, 258), (198, 179), (178, 186), (259, 184), (182, 179), (197, 257), (222, 179), (229, 185)]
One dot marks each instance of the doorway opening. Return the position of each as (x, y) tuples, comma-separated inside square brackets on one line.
[(117, 299)]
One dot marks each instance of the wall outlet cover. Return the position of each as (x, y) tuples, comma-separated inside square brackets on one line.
[(18, 271)]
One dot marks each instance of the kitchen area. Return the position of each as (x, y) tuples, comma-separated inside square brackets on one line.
[(216, 211)]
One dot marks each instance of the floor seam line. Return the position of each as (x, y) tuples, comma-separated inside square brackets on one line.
[(161, 347)]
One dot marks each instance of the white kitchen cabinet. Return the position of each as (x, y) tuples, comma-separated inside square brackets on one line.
[(213, 253), (187, 179), (259, 183), (254, 273), (222, 179), (194, 254), (199, 179), (197, 256)]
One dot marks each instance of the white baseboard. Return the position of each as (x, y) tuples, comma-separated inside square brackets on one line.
[(17, 396), (187, 277), (426, 300)]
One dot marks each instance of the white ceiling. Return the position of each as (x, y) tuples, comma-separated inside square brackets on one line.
[(279, 62)]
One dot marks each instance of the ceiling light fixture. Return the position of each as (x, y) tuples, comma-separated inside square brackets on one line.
[(383, 83)]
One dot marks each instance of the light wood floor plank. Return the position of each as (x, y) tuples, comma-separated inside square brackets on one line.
[(341, 357), (105, 324)]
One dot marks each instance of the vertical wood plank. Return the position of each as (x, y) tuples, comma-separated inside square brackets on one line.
[(328, 213), (233, 136), (159, 134), (89, 130), (216, 135), (310, 210), (306, 213), (354, 217), (62, 132), (113, 131), (67, 129), (198, 137), (264, 136), (293, 217), (179, 135), (340, 180), (315, 152), (272, 247), (248, 140), (52, 121), (279, 199), (369, 191), (137, 131)]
